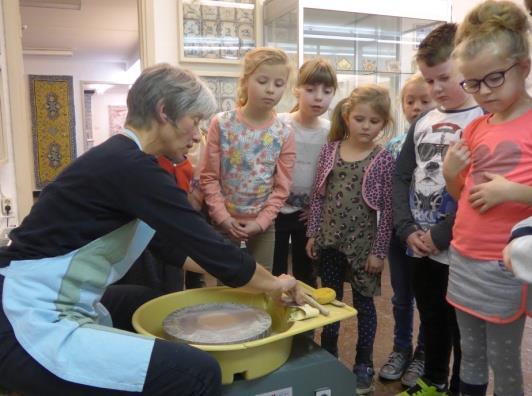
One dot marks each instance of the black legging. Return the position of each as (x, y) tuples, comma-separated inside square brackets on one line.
[(289, 227), (438, 319), (332, 272)]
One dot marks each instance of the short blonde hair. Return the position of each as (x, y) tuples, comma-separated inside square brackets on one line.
[(414, 79), (252, 60), (493, 22), (376, 96)]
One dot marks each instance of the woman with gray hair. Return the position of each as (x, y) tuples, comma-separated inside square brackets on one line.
[(88, 226)]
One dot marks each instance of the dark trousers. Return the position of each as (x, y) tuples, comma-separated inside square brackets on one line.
[(438, 320), (333, 267), (402, 276), (289, 227), (174, 369)]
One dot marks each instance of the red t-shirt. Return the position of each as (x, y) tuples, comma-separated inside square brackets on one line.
[(504, 149), (182, 172)]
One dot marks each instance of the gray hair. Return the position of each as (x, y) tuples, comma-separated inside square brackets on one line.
[(180, 91)]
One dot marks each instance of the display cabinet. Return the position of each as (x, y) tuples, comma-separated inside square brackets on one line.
[(367, 41), (216, 31)]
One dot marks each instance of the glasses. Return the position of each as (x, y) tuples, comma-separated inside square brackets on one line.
[(492, 80), (429, 150)]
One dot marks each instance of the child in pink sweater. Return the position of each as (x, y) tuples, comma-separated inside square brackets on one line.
[(247, 167)]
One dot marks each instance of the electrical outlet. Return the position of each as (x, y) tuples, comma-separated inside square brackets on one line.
[(4, 237), (7, 206)]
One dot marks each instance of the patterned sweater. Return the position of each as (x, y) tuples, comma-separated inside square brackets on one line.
[(246, 171), (376, 192)]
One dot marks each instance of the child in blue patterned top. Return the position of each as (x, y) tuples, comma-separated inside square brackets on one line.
[(415, 100)]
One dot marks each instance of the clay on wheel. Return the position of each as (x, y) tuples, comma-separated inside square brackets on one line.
[(218, 323)]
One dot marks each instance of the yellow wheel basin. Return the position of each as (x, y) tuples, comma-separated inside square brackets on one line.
[(250, 359)]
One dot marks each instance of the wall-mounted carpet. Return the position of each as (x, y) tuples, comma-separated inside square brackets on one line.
[(53, 125)]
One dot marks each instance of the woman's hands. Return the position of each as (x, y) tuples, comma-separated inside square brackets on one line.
[(288, 285)]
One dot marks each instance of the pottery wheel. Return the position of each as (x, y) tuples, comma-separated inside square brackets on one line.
[(218, 323)]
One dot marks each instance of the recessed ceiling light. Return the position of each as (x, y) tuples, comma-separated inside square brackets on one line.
[(64, 4), (48, 51)]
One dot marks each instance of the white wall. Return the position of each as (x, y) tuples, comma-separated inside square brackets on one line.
[(100, 114), (165, 16), (7, 166), (462, 7)]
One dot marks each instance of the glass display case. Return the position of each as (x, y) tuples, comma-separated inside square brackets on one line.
[(216, 31), (367, 41)]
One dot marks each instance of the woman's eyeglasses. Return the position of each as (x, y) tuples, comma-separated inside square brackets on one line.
[(492, 80)]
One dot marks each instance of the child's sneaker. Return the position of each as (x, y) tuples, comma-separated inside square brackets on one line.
[(364, 374), (396, 365), (423, 387), (415, 369)]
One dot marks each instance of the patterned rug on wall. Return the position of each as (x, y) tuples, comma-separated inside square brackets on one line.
[(53, 125)]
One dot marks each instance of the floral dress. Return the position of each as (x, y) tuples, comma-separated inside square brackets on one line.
[(348, 224)]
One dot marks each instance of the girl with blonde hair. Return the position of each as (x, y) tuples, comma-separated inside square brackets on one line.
[(246, 170), (491, 304), (350, 219)]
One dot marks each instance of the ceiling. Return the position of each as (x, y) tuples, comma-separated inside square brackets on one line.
[(100, 30)]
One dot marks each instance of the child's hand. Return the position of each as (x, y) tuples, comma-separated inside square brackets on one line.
[(303, 216), (486, 195), (456, 160), (195, 201), (374, 265), (507, 256), (310, 248), (250, 227), (234, 229), (429, 243), (417, 245)]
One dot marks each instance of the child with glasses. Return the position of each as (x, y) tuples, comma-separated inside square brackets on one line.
[(491, 304), (424, 211)]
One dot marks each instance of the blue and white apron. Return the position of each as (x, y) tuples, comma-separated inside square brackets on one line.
[(53, 305)]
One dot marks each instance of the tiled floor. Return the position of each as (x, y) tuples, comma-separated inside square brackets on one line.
[(384, 341)]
